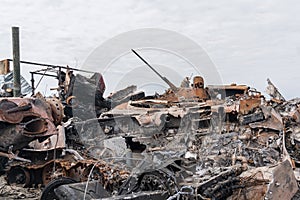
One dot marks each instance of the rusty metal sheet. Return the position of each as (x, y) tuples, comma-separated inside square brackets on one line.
[(247, 105), (38, 106), (229, 87), (192, 94)]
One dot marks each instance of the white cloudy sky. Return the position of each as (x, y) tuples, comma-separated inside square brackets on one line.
[(248, 41)]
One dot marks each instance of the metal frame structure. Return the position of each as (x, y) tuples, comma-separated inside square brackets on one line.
[(50, 71)]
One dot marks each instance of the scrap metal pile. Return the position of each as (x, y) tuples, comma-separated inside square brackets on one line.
[(192, 142)]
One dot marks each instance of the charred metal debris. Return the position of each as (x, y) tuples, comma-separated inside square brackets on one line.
[(192, 142)]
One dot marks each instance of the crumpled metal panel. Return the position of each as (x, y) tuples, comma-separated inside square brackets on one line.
[(23, 120), (283, 184), (57, 141), (273, 120), (270, 182)]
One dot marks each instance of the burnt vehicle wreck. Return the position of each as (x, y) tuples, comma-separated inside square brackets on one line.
[(192, 142)]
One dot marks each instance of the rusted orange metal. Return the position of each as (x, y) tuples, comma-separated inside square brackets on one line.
[(247, 105), (36, 114), (4, 67)]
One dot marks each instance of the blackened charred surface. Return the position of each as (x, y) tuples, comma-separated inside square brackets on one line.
[(87, 97), (73, 139), (49, 191), (12, 137), (135, 147), (3, 164), (158, 180), (20, 176), (222, 186), (250, 118), (74, 191)]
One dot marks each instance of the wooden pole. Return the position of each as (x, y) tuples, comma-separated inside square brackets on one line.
[(16, 61)]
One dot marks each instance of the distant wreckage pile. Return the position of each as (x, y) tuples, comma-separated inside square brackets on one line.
[(192, 142)]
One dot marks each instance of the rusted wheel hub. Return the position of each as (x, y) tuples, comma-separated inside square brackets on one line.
[(57, 110)]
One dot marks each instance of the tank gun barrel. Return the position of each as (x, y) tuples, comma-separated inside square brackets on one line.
[(171, 85)]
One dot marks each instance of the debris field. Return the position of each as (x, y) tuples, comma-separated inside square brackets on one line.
[(195, 141)]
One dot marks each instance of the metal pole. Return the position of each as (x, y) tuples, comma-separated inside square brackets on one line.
[(16, 61), (32, 83), (172, 86)]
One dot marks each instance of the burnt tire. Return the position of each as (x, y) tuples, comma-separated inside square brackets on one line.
[(19, 175), (48, 192)]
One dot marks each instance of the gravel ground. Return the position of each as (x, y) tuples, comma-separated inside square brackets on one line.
[(15, 192)]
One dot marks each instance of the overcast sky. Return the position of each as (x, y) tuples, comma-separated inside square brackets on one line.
[(248, 41)]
